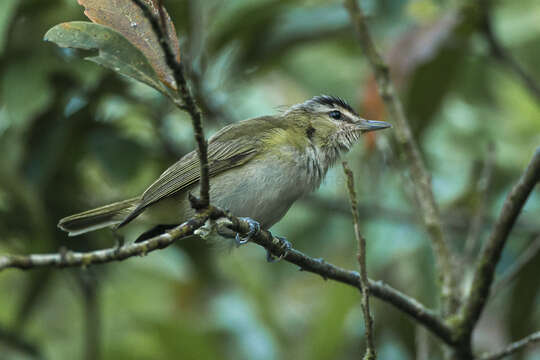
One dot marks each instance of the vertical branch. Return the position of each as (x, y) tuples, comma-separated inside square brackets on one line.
[(187, 102), (491, 252), (419, 174), (482, 188), (370, 353)]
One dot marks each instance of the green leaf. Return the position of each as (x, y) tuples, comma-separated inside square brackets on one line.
[(115, 51)]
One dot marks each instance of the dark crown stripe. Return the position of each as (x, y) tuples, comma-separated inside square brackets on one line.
[(333, 101)]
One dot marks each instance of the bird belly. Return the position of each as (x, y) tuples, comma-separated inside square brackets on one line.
[(262, 189)]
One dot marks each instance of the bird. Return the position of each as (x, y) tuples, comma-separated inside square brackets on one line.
[(258, 168)]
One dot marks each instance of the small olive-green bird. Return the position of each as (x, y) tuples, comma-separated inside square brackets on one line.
[(258, 169)]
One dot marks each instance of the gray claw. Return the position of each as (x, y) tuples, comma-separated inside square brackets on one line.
[(285, 247), (254, 228)]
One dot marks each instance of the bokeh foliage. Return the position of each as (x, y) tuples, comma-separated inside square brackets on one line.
[(73, 135)]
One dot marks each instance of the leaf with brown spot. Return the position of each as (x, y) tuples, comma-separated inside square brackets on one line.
[(114, 50), (127, 18)]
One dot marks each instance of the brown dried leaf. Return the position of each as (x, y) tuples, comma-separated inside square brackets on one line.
[(126, 18)]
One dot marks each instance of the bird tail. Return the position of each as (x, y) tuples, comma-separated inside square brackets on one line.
[(99, 218)]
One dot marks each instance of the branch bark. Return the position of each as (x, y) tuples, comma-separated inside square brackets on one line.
[(491, 252), (419, 174), (534, 338), (370, 353), (424, 316), (522, 261)]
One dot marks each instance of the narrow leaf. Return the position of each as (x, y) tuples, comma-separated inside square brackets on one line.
[(126, 18), (115, 51)]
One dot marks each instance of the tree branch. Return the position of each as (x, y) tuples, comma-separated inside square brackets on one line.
[(491, 252), (68, 258), (513, 347), (188, 103), (426, 317), (370, 353), (523, 260), (482, 188), (419, 174)]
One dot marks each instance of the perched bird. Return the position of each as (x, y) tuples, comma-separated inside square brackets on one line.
[(258, 169)]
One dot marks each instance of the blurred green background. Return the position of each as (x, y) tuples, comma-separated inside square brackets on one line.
[(74, 135)]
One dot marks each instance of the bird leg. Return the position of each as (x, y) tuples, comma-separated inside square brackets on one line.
[(254, 228), (285, 247)]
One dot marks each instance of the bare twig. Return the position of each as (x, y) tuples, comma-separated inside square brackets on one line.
[(83, 259), (482, 189), (523, 260), (502, 55), (491, 252), (368, 320), (534, 338), (188, 103), (419, 174)]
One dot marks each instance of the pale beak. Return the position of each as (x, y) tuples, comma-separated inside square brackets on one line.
[(372, 125)]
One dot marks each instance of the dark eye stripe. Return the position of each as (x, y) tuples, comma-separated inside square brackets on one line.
[(337, 115)]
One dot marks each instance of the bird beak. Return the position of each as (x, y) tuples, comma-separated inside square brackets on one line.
[(372, 125)]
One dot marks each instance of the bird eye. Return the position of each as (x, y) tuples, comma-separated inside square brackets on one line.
[(335, 114)]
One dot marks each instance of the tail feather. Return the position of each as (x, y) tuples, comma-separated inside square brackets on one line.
[(99, 218)]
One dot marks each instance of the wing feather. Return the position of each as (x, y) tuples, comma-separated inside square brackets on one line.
[(222, 155)]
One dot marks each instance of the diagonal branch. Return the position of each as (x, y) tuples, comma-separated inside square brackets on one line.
[(522, 261), (370, 353), (427, 317), (491, 252), (187, 101), (482, 187), (534, 338), (419, 174)]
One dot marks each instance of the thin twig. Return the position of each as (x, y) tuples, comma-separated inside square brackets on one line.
[(83, 259), (502, 55), (419, 174), (370, 353), (534, 338), (491, 252), (482, 189), (523, 260), (188, 103)]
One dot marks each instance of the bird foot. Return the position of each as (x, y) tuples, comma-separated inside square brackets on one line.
[(254, 228), (285, 247)]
